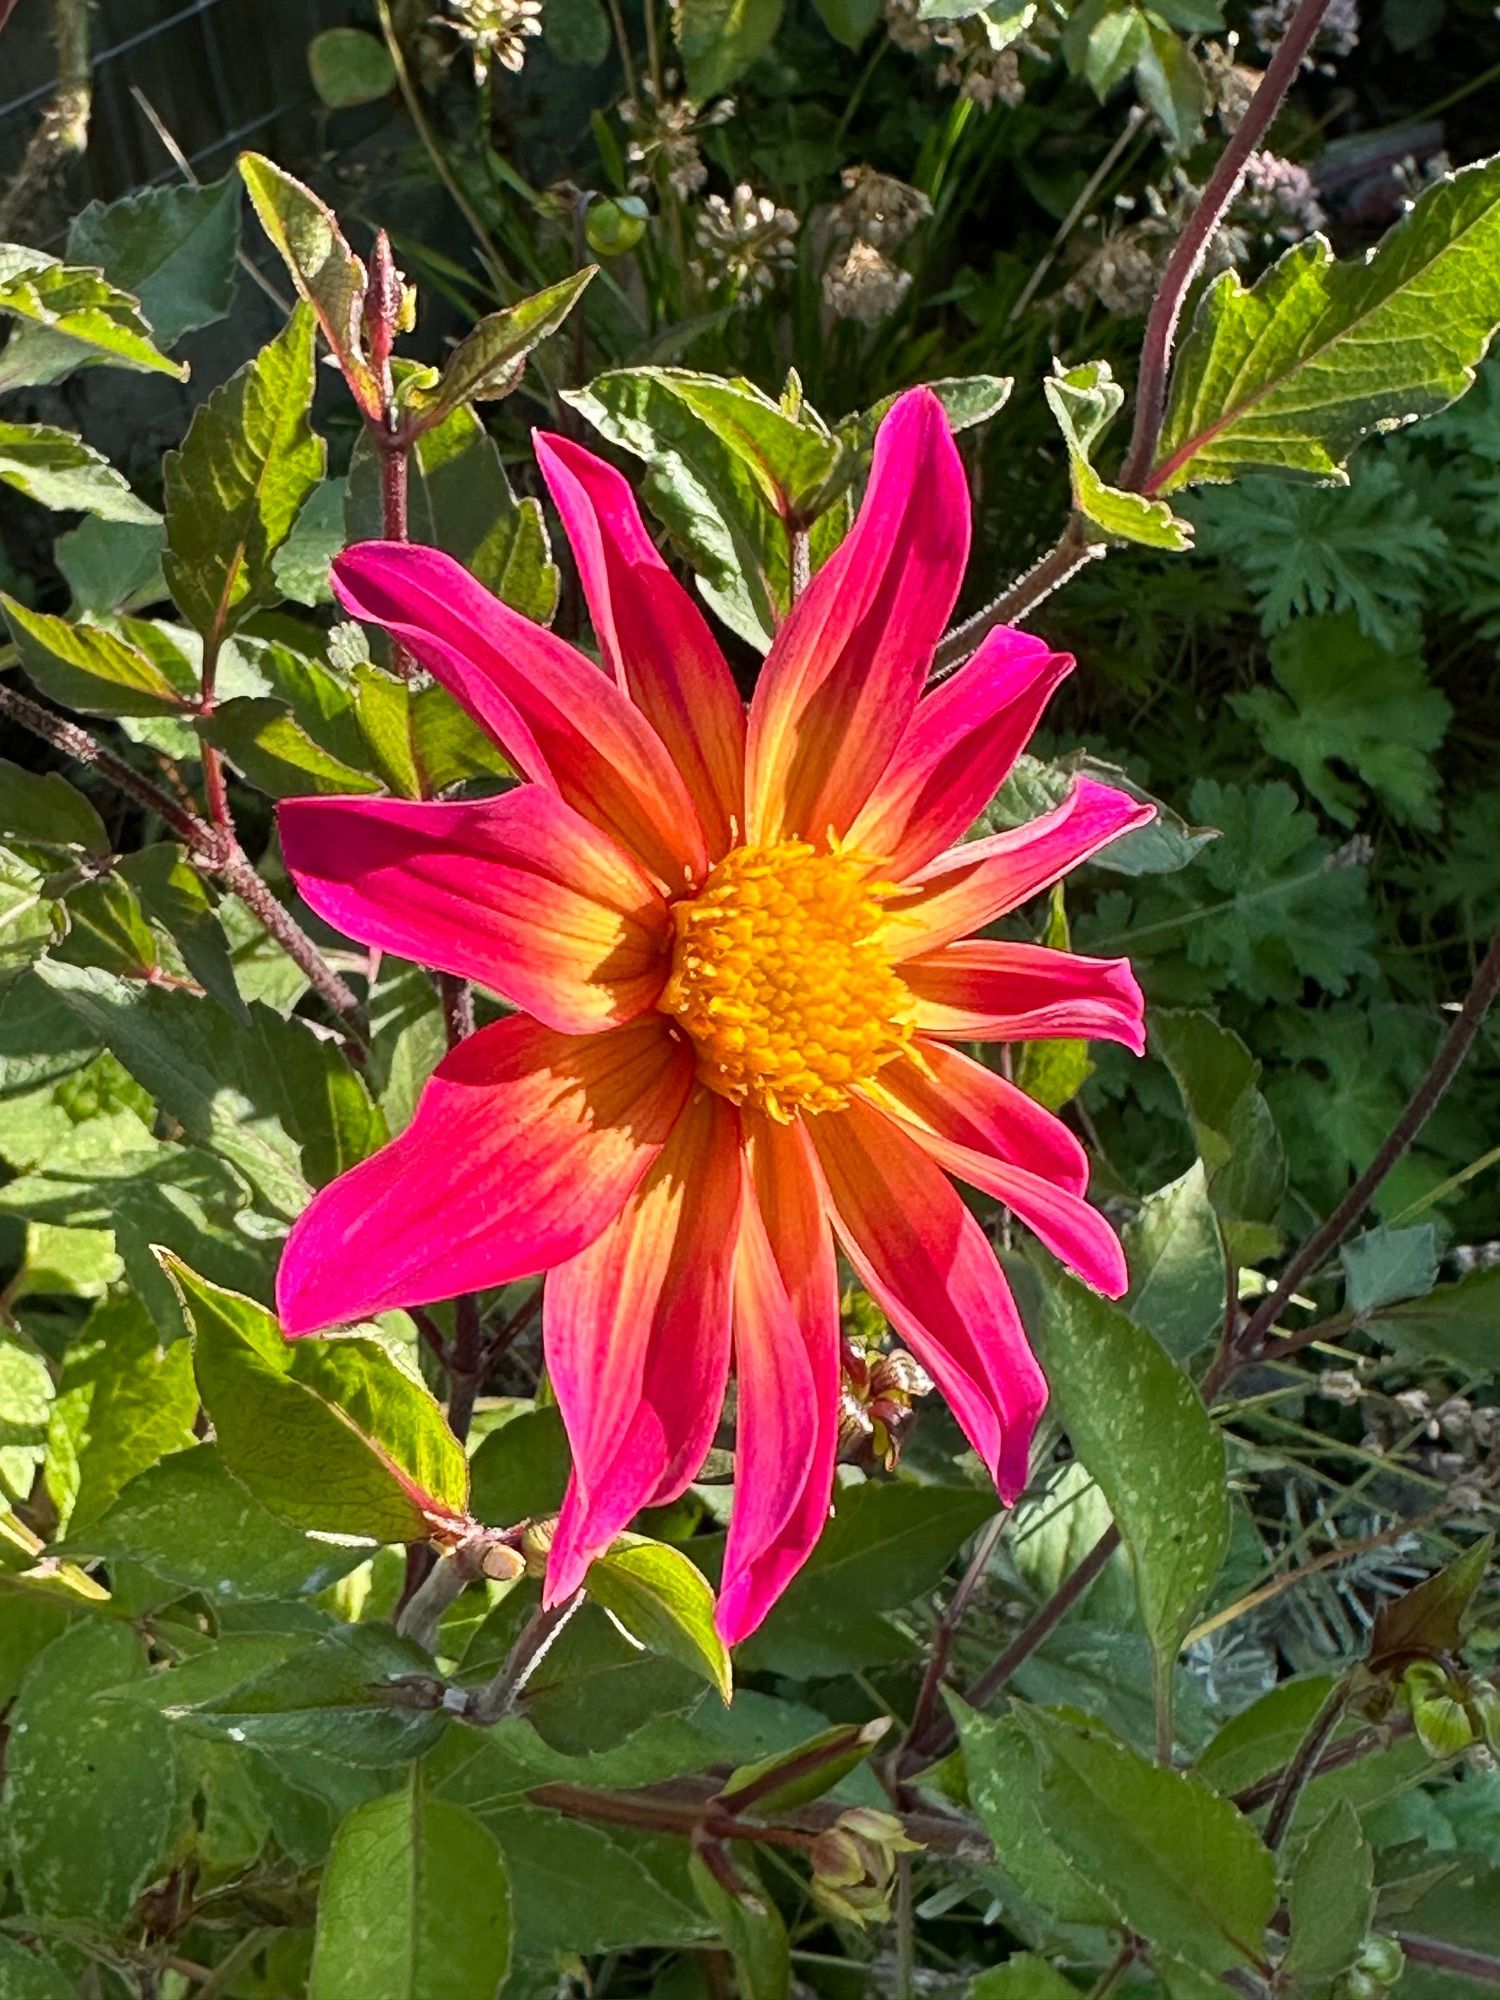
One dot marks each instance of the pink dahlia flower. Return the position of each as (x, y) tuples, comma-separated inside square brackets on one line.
[(738, 946)]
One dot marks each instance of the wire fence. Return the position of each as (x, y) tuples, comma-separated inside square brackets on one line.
[(218, 73)]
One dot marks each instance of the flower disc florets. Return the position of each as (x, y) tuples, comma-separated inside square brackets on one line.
[(782, 977)]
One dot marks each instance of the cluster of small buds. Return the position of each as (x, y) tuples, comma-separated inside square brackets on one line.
[(1337, 36), (1379, 1966), (493, 31), (665, 132), (1459, 1443), (1277, 197), (979, 56), (877, 1393), (877, 214), (854, 1864), (1475, 1257), (745, 244)]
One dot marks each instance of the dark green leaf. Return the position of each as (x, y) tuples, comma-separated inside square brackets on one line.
[(581, 1888), (886, 1544), (89, 1800), (577, 31), (752, 1931), (1453, 1324), (1141, 1429), (272, 751), (30, 1975), (187, 1520), (111, 566), (349, 66), (719, 39), (1263, 1737), (848, 21), (1024, 1977), (42, 806), (1180, 1866), (173, 247), (1386, 1265), (236, 486), (1243, 1163), (123, 1402), (1175, 1252), (1331, 1897), (521, 1469)]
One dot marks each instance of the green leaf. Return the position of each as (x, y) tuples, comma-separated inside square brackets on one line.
[(461, 501), (1263, 1737), (89, 321), (1291, 374), (236, 485), (276, 1102), (174, 895), (350, 66), (60, 471), (719, 39), (29, 1975), (414, 1904), (42, 806), (1236, 1138), (1331, 1898), (966, 400), (84, 667), (123, 1402), (1141, 1429), (330, 1434), (665, 1603), (173, 247), (111, 566), (726, 467), (90, 1793), (342, 1696), (25, 1399), (577, 31), (1002, 1767), (1024, 1977), (521, 1469), (1347, 698), (300, 566), (752, 1931), (1175, 1253), (885, 1545), (848, 21), (272, 751), (1178, 1864), (1453, 1324), (1085, 401), (1055, 1070), (189, 1521), (583, 1889), (1385, 1266), (1171, 85), (30, 920), (491, 357), (324, 269)]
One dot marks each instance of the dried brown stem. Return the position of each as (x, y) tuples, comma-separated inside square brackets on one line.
[(63, 132)]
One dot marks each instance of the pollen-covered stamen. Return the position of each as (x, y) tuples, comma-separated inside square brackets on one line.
[(782, 978)]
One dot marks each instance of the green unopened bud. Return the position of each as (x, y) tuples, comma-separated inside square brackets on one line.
[(1381, 1958), (615, 224), (1363, 1986), (1439, 1709), (1484, 1701)]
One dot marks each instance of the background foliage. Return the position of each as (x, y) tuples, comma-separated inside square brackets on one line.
[(1189, 1721)]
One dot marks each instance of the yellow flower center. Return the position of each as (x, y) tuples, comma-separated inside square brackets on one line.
[(782, 978)]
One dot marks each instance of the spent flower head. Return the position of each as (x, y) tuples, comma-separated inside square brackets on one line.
[(745, 244), (863, 284), (665, 134), (493, 31)]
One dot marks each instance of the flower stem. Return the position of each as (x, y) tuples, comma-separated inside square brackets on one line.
[(498, 1698), (1295, 1778)]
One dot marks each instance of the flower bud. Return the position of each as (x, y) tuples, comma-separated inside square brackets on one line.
[(854, 1864), (615, 224), (385, 303), (536, 1544)]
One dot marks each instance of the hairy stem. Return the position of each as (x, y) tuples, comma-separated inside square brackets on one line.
[(1075, 547), (214, 848), (499, 1696), (1191, 247)]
